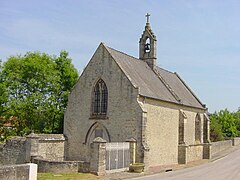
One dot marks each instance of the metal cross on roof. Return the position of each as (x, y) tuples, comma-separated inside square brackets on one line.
[(147, 15)]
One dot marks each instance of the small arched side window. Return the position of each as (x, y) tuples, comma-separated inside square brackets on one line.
[(198, 128), (100, 98)]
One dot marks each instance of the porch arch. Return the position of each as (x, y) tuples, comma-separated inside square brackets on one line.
[(97, 130)]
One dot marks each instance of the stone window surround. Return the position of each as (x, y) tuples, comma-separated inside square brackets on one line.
[(99, 103)]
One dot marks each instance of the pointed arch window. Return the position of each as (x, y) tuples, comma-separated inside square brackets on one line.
[(198, 128), (100, 99)]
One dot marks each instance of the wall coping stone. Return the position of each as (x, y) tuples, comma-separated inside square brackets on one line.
[(47, 137), (32, 136), (54, 161)]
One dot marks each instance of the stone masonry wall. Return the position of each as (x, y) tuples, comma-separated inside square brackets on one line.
[(162, 127), (236, 141), (194, 153), (19, 172), (47, 146), (18, 150), (45, 166), (52, 150), (224, 145), (191, 114), (51, 147), (161, 134), (221, 146), (13, 151), (123, 116)]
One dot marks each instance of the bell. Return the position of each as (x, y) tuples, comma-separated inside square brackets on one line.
[(147, 47)]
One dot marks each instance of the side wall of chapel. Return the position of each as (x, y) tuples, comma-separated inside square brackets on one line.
[(162, 131), (123, 114)]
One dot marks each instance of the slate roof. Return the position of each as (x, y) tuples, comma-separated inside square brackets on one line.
[(159, 84)]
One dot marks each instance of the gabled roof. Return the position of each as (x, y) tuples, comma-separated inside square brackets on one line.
[(158, 84), (180, 88)]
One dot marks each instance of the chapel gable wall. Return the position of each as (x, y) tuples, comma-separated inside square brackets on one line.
[(123, 113)]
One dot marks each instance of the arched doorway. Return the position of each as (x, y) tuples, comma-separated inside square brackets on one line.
[(97, 130)]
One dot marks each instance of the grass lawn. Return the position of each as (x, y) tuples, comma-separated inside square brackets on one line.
[(73, 176)]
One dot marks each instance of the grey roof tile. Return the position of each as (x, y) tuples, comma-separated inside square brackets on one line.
[(185, 94), (161, 84)]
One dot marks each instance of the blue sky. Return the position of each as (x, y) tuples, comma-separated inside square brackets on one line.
[(200, 40)]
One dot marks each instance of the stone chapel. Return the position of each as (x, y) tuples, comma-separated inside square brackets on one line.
[(118, 97)]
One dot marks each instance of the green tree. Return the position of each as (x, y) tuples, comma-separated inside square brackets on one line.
[(215, 128), (35, 89), (68, 76), (228, 123), (2, 90), (237, 117), (223, 124)]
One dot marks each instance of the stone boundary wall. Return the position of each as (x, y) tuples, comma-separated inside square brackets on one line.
[(236, 141), (19, 150), (48, 146), (223, 145), (46, 166), (19, 172), (220, 146), (13, 151)]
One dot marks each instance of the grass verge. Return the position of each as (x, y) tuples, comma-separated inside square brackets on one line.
[(73, 176)]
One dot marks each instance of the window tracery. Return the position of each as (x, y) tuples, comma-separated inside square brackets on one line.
[(100, 98)]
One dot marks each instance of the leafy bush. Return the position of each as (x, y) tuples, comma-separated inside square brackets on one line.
[(224, 124)]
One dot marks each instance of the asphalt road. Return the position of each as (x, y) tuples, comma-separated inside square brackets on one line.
[(226, 168)]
